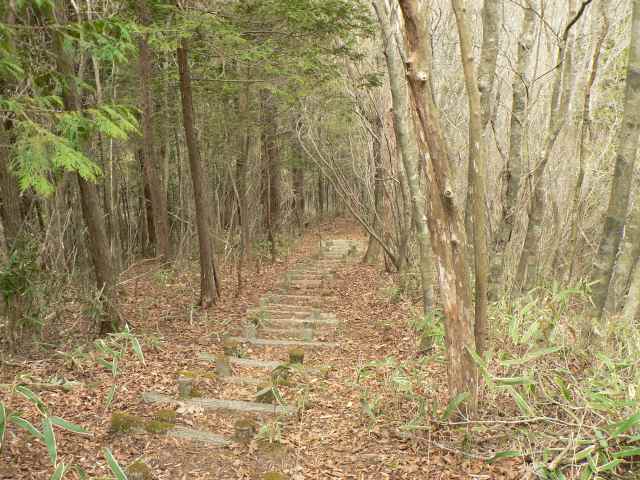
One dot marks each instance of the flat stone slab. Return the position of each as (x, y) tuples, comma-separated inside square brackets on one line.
[(298, 322), (199, 436), (284, 343), (218, 404), (243, 362), (243, 380)]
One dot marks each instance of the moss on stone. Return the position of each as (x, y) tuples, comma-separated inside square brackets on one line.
[(274, 476), (244, 430), (196, 393), (157, 426), (196, 374), (166, 415), (231, 348), (139, 471), (296, 355), (122, 422)]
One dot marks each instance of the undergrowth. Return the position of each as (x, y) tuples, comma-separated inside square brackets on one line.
[(566, 406)]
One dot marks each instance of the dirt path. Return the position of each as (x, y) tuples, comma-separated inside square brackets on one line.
[(347, 410)]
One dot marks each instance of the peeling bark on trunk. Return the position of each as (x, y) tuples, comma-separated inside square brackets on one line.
[(209, 289), (445, 222), (623, 172)]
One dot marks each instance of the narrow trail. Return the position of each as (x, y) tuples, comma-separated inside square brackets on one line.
[(343, 414), (326, 421), (293, 316)]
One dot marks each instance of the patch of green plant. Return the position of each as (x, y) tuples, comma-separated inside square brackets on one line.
[(111, 354), (270, 432), (45, 432)]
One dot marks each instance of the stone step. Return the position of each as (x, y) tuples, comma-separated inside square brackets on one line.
[(284, 343), (199, 436), (298, 322), (244, 362), (251, 362), (218, 404)]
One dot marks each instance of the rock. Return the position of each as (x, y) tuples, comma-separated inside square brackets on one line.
[(265, 394), (296, 355), (122, 422), (244, 430), (139, 471), (231, 347), (250, 330), (223, 366), (185, 387)]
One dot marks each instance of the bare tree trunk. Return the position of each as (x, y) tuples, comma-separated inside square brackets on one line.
[(627, 257), (149, 160), (408, 143), (514, 167), (528, 265), (488, 56), (445, 222), (242, 163), (623, 172), (585, 128), (209, 289), (632, 305), (271, 157), (298, 195), (374, 249), (477, 166), (89, 198)]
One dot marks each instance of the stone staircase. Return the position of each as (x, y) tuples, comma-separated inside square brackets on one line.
[(288, 322)]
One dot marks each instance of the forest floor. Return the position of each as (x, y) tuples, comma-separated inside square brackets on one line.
[(367, 418)]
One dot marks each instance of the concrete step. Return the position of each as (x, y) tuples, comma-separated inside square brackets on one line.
[(217, 404)]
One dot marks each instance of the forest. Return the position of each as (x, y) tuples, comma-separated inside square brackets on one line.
[(319, 239)]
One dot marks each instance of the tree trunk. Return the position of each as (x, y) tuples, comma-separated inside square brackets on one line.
[(632, 305), (298, 195), (271, 158), (477, 167), (322, 198), (408, 145), (515, 165), (623, 172), (89, 198), (488, 57), (585, 128), (12, 222), (208, 281), (149, 160), (527, 274), (445, 222), (374, 249), (628, 256)]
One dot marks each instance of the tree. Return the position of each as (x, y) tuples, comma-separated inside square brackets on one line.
[(477, 167), (445, 222), (89, 199), (408, 144), (627, 147), (209, 290), (150, 164)]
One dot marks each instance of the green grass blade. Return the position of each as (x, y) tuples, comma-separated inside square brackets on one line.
[(72, 427), (3, 423), (59, 472), (26, 425), (49, 439), (454, 404), (114, 465)]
